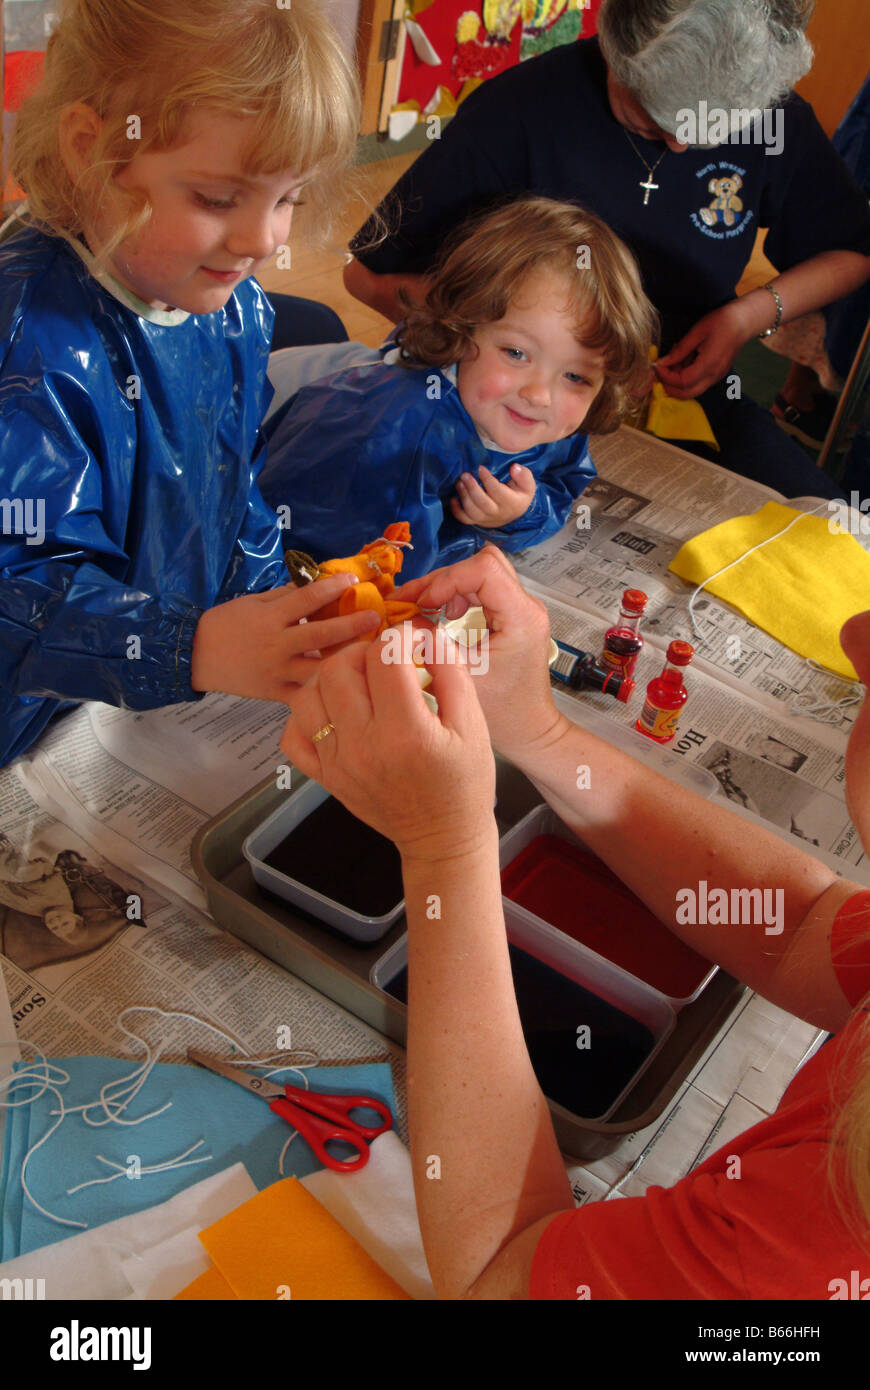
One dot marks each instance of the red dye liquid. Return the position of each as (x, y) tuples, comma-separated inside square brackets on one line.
[(665, 697), (621, 649), (571, 889)]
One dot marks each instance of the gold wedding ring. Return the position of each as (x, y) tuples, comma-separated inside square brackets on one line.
[(322, 733)]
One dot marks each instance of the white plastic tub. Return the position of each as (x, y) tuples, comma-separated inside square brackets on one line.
[(261, 842), (544, 821), (572, 960)]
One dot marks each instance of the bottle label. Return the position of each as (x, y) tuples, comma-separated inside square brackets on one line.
[(661, 723), (621, 651)]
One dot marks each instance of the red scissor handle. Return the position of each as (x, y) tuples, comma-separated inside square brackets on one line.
[(319, 1118), (338, 1108)]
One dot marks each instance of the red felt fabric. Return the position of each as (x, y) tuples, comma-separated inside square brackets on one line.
[(22, 72)]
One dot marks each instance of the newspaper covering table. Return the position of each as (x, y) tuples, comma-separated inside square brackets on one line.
[(104, 809)]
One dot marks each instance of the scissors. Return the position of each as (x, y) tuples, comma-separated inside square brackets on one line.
[(318, 1118)]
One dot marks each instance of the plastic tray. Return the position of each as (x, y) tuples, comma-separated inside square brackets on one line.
[(671, 956), (340, 969), (574, 961), (258, 846)]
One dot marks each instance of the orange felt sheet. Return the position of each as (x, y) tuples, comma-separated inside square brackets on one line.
[(283, 1243)]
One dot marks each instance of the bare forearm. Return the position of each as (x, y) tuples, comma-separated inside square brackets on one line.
[(381, 292), (485, 1159), (819, 281), (662, 840)]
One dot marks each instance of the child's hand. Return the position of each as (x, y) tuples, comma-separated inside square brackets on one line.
[(494, 504), (258, 646)]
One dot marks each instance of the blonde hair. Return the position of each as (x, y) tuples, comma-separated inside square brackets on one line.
[(849, 1153), (161, 59), (486, 262)]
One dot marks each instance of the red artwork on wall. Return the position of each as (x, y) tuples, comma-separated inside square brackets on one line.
[(475, 41)]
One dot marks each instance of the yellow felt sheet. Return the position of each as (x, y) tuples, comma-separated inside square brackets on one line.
[(800, 588), (669, 418), (284, 1244)]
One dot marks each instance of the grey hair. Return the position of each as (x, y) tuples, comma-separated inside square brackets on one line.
[(673, 54)]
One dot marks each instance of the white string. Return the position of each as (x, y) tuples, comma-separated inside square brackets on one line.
[(115, 1096), (827, 712), (170, 1165), (27, 1077), (397, 545), (732, 563)]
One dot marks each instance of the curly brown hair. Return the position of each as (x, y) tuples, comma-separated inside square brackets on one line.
[(482, 267)]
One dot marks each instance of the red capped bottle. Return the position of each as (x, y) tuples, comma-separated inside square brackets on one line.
[(576, 668), (623, 642), (666, 696)]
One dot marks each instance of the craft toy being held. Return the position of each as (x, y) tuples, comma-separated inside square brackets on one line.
[(375, 566)]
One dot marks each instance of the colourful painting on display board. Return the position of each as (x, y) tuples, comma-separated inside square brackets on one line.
[(24, 29), (453, 45)]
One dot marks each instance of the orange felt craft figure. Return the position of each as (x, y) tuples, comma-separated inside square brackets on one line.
[(375, 566)]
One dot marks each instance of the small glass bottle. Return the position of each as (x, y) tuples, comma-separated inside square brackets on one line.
[(623, 642), (666, 696), (576, 669)]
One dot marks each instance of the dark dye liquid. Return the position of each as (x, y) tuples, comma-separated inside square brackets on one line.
[(552, 1008), (343, 859)]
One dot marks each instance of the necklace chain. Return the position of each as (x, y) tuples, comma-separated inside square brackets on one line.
[(650, 168)]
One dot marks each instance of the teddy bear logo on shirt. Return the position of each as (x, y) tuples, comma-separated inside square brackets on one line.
[(726, 206)]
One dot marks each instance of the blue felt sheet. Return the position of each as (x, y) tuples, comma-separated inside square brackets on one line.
[(237, 1128)]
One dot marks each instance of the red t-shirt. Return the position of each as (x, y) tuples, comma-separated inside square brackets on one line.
[(774, 1231)]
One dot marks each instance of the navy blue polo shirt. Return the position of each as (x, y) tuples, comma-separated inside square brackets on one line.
[(546, 127)]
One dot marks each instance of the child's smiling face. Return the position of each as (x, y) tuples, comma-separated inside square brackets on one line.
[(212, 224), (531, 381)]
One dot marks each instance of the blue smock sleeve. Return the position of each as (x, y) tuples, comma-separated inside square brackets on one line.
[(70, 626), (557, 488), (130, 447)]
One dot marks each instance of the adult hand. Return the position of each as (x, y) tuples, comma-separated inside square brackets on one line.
[(259, 646), (425, 781), (514, 690), (703, 356), (491, 503)]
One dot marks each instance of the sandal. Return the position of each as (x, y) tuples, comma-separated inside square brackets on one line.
[(809, 426)]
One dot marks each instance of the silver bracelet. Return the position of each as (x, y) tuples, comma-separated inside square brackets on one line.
[(769, 332)]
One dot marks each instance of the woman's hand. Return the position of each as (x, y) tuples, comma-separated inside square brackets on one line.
[(264, 645), (489, 503), (512, 680), (424, 781), (703, 356)]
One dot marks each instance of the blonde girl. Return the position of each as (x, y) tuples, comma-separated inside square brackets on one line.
[(161, 157)]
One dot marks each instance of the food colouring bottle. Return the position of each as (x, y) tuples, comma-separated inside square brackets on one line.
[(622, 642), (666, 695), (577, 669)]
